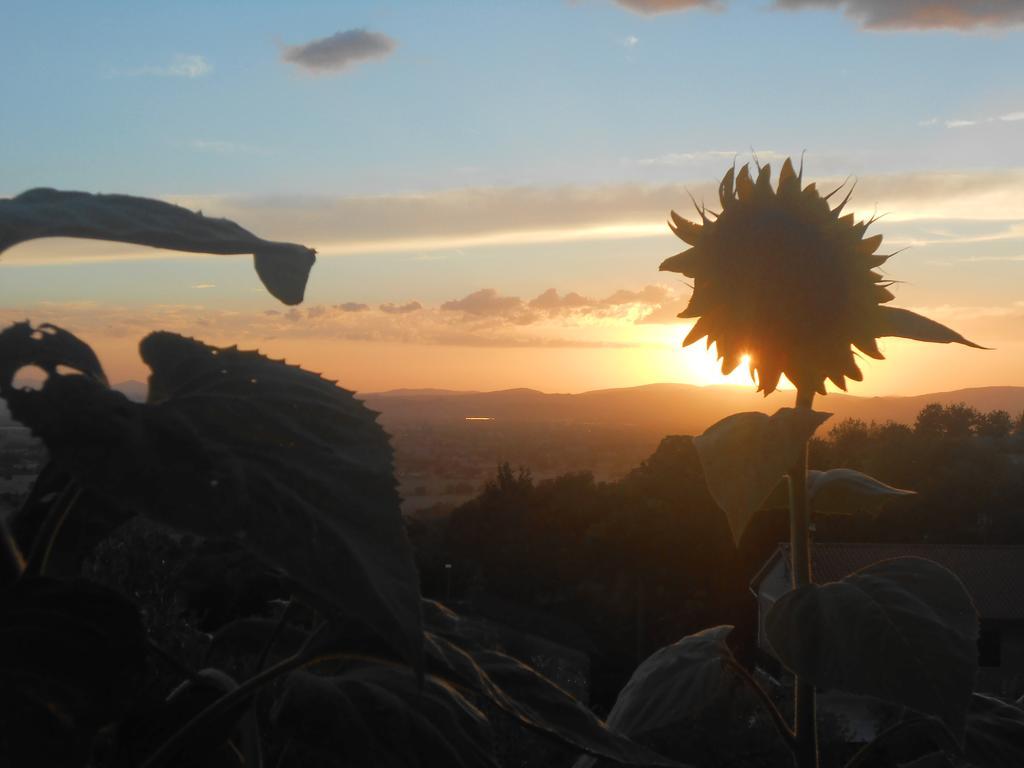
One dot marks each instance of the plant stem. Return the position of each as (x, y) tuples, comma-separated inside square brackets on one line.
[(170, 748), (11, 562), (804, 719), (777, 718), (42, 546)]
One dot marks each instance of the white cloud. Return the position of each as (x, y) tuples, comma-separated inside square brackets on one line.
[(960, 123), (630, 41)]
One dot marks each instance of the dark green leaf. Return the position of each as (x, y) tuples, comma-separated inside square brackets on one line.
[(378, 715), (234, 445), (46, 347), (893, 321), (931, 760), (745, 454), (283, 267), (903, 630), (76, 648), (995, 733), (672, 694), (839, 490), (523, 693)]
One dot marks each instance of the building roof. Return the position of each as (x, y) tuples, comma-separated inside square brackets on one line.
[(993, 575)]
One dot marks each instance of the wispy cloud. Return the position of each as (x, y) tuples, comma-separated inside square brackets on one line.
[(630, 41), (339, 51), (629, 306), (505, 217), (204, 285), (1009, 117), (187, 65), (482, 319), (653, 7), (401, 309), (920, 14)]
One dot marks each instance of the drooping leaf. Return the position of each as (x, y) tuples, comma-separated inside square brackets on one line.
[(674, 694), (744, 455), (843, 489), (234, 445), (46, 346), (378, 714), (931, 760), (522, 693), (995, 733), (894, 321), (71, 659), (904, 630), (283, 267), (994, 737)]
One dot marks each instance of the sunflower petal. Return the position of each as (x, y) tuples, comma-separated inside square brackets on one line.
[(788, 182), (684, 263), (853, 371), (869, 245), (700, 330), (894, 321), (883, 294), (727, 189), (838, 380), (764, 179), (869, 347), (877, 259), (839, 208), (744, 185), (685, 230)]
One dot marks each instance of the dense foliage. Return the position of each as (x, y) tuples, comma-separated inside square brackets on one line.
[(638, 563)]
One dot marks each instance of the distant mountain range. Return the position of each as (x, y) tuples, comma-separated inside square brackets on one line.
[(665, 408)]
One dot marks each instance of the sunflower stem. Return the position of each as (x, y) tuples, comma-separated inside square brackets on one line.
[(805, 728)]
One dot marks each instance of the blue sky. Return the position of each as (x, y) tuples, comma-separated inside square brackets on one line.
[(510, 119)]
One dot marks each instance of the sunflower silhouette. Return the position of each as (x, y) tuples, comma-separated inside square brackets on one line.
[(780, 276)]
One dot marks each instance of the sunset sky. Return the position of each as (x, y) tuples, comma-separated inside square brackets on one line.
[(487, 184)]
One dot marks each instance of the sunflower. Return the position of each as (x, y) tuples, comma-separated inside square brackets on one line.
[(781, 277)]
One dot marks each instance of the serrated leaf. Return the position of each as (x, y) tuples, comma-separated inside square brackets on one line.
[(379, 715), (903, 630), (283, 267), (894, 321), (744, 455), (235, 445), (840, 489)]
